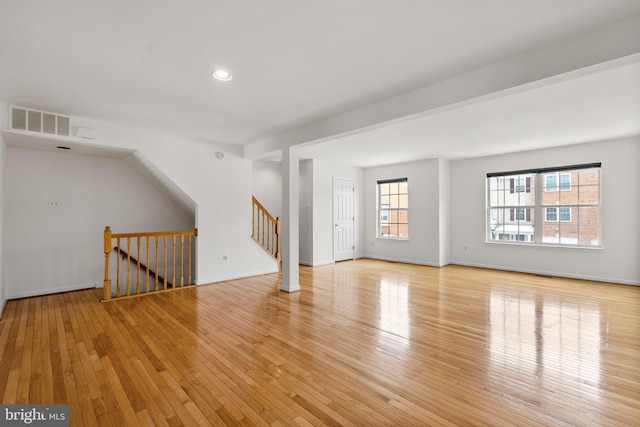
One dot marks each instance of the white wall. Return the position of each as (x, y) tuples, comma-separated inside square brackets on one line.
[(617, 261), (423, 245), (57, 249), (3, 123), (267, 185), (444, 205), (306, 212), (322, 234), (221, 188), (315, 206)]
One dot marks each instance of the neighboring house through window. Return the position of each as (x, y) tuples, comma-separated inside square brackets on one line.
[(559, 206)]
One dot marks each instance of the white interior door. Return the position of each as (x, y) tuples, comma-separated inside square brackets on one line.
[(343, 218)]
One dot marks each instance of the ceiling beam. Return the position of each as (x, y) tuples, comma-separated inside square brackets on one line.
[(606, 48)]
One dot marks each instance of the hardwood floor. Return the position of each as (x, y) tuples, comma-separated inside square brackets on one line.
[(363, 343)]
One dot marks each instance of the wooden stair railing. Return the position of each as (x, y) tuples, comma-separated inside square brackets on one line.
[(124, 255), (168, 255), (265, 229)]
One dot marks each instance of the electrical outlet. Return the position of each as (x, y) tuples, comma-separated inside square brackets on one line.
[(54, 203)]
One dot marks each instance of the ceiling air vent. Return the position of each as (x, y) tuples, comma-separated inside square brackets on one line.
[(39, 121)]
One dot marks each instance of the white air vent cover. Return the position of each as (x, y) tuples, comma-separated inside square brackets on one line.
[(39, 121)]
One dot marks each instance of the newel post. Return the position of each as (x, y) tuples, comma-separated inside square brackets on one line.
[(107, 254), (278, 238)]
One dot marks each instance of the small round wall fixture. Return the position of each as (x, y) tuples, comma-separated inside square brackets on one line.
[(222, 75), (219, 155)]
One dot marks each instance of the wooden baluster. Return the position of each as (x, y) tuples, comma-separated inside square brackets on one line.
[(253, 217), (272, 238), (272, 226), (181, 260), (138, 266), (173, 269), (118, 269), (148, 269), (164, 250), (107, 253), (189, 266), (128, 265), (259, 222), (157, 263)]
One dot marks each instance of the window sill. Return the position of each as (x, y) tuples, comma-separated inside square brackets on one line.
[(391, 238), (543, 245)]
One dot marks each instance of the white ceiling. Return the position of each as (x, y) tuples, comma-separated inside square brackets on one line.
[(295, 63), (599, 106)]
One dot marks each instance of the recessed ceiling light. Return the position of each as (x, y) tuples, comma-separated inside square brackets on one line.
[(222, 75)]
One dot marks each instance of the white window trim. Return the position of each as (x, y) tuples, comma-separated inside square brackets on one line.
[(388, 210), (538, 176)]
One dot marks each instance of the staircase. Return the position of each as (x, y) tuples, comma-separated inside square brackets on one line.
[(159, 261), (265, 229), (159, 280), (147, 262)]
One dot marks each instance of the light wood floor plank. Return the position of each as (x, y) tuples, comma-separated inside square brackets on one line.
[(363, 343)]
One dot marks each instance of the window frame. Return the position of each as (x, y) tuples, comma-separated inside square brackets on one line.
[(387, 209), (577, 211)]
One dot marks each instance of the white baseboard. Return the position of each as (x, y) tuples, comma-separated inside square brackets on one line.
[(3, 303), (551, 273), (326, 262), (406, 261), (41, 292), (317, 263), (236, 276)]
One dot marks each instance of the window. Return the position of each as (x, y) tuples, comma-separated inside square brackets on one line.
[(551, 214), (520, 214), (557, 206), (384, 214), (393, 208), (551, 182), (520, 185)]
